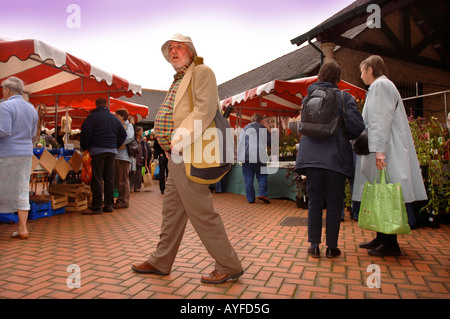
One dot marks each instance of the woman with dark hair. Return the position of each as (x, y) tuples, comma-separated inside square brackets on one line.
[(391, 146), (141, 158), (327, 162)]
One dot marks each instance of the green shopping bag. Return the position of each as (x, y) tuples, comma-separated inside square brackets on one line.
[(382, 207)]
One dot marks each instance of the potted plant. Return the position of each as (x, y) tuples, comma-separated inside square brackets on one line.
[(429, 137), (438, 191), (288, 140), (300, 186)]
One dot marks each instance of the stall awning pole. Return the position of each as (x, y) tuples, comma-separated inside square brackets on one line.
[(56, 116)]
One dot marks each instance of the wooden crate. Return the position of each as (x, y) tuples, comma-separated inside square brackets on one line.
[(47, 161), (73, 191), (62, 168), (76, 161), (58, 201), (77, 205)]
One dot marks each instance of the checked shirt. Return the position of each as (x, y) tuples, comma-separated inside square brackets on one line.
[(163, 126)]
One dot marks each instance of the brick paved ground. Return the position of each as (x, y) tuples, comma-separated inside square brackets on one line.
[(274, 257)]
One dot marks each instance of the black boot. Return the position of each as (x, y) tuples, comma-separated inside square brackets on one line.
[(382, 250), (371, 244)]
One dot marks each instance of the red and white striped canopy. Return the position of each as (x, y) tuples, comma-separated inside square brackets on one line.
[(278, 98), (55, 77), (79, 111)]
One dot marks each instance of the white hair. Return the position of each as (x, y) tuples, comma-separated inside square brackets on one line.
[(14, 84)]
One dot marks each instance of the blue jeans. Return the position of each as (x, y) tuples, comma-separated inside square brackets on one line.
[(249, 170)]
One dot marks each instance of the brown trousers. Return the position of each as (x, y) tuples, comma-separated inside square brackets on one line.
[(185, 199), (122, 181)]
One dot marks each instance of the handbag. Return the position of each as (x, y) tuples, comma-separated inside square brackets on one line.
[(214, 169), (382, 207), (133, 148), (361, 144), (147, 177)]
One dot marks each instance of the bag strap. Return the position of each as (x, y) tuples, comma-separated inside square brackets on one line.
[(191, 102), (344, 123), (383, 176)]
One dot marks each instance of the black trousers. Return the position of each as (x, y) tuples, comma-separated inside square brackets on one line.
[(102, 182), (163, 172), (321, 185), (387, 240)]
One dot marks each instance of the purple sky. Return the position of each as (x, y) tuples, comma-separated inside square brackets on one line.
[(125, 37)]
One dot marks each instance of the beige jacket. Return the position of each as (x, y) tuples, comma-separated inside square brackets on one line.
[(205, 101)]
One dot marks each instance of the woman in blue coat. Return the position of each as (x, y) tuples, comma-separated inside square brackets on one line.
[(327, 162)]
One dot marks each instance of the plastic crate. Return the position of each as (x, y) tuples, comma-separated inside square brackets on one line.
[(9, 218), (40, 214), (59, 211), (38, 206), (40, 209), (38, 151)]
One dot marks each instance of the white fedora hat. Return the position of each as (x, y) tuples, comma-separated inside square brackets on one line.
[(178, 38)]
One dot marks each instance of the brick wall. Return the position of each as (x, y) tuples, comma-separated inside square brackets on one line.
[(433, 80)]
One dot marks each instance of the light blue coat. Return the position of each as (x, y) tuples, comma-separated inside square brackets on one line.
[(389, 133), (18, 125), (123, 154)]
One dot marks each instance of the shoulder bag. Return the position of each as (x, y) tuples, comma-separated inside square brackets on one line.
[(133, 148)]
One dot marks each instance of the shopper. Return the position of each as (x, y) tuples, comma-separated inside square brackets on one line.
[(391, 146), (141, 158), (122, 163), (327, 162), (162, 162), (18, 125), (252, 152), (102, 134)]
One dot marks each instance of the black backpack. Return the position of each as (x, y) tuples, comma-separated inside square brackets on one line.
[(320, 114)]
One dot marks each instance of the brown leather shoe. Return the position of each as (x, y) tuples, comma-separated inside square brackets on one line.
[(218, 277), (91, 212), (147, 268)]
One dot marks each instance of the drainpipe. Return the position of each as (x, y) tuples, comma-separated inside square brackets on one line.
[(322, 56)]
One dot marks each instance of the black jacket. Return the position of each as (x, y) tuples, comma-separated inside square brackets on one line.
[(101, 129), (335, 152)]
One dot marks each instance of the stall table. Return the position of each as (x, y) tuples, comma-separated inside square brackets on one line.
[(278, 184)]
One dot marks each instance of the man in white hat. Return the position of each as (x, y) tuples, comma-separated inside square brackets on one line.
[(193, 96)]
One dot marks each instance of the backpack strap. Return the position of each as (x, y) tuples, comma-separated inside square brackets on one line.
[(344, 123)]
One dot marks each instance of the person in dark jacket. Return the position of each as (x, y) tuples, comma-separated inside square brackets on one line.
[(162, 162), (142, 158), (327, 162), (102, 134)]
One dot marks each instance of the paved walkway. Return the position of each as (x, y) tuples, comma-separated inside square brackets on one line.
[(274, 257)]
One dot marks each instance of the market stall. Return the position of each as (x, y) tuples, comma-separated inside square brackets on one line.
[(79, 111), (280, 102), (276, 98), (54, 78)]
